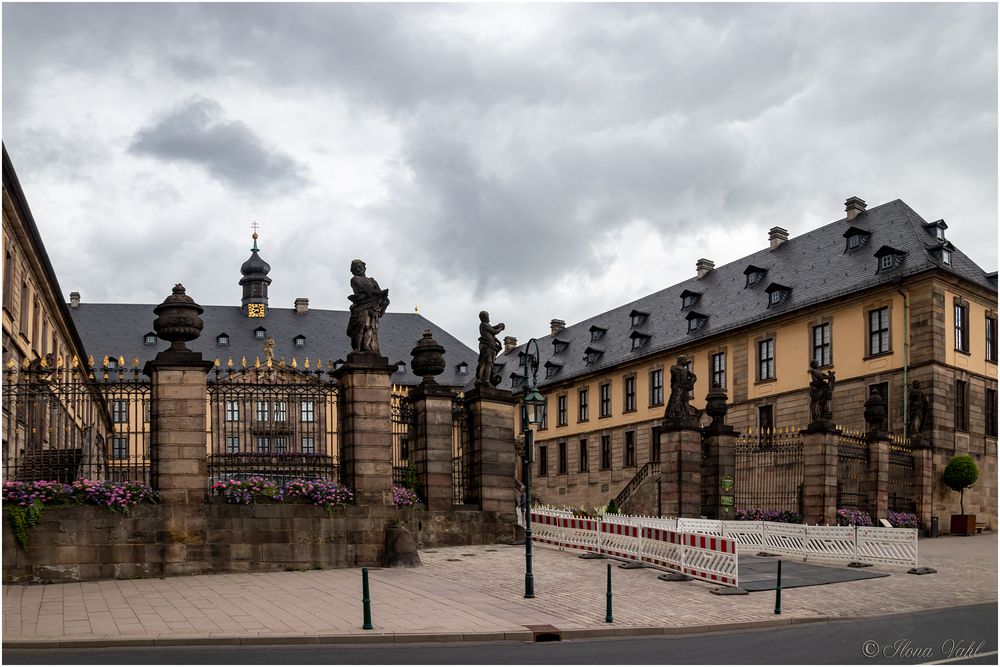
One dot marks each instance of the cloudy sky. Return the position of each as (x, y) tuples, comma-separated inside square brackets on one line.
[(540, 161)]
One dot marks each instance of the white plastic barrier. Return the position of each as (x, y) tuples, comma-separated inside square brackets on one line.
[(887, 545), (705, 557)]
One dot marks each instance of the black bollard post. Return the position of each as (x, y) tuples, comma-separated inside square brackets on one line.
[(366, 600), (777, 592), (608, 618)]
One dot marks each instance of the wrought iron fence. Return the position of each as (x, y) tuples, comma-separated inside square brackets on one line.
[(902, 477), (273, 421), (769, 469), (67, 421), (852, 472), (462, 488), (402, 428)]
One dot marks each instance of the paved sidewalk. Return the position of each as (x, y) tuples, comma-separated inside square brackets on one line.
[(464, 593)]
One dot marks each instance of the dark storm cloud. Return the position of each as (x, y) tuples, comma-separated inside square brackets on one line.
[(197, 132)]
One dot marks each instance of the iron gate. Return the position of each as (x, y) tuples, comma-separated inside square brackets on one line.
[(769, 470)]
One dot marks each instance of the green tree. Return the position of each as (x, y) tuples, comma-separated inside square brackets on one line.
[(960, 474)]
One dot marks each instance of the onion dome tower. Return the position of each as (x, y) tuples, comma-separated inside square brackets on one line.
[(255, 282)]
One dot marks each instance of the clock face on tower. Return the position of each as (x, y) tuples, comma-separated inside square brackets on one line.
[(255, 310)]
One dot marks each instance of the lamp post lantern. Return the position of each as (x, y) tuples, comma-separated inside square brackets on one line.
[(534, 412)]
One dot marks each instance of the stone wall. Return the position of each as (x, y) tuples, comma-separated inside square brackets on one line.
[(80, 543)]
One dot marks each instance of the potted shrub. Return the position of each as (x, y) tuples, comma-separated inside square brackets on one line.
[(960, 474)]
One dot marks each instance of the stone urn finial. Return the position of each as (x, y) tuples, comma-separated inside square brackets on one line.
[(178, 319), (716, 407), (875, 412), (428, 358)]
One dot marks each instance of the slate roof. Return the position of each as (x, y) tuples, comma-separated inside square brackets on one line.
[(119, 329), (815, 266)]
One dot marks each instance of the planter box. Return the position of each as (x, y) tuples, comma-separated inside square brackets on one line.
[(963, 524)]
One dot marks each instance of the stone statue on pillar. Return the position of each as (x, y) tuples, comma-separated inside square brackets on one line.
[(489, 347), (368, 304), (917, 408), (679, 410), (820, 396)]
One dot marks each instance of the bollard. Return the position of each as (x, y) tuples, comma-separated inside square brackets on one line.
[(777, 592), (608, 618), (366, 600)]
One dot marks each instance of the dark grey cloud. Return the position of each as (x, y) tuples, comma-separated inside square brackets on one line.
[(197, 132)]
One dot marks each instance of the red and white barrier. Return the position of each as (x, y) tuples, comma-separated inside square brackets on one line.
[(705, 557)]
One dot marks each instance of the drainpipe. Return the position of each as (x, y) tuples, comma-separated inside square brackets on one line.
[(906, 356)]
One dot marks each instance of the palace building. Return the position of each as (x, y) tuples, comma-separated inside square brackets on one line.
[(880, 296)]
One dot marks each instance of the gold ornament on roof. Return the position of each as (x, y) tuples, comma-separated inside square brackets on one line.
[(218, 363), (76, 361), (256, 362), (306, 363), (295, 364), (106, 360), (243, 361), (229, 362), (90, 361)]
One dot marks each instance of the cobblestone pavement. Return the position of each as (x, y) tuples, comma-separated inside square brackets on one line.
[(472, 592)]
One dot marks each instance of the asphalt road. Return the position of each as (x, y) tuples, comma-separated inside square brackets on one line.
[(954, 635)]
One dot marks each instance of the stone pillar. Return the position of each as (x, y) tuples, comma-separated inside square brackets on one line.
[(878, 475), (178, 434), (819, 494), (366, 422), (680, 471), (431, 448), (718, 475), (491, 444), (923, 478)]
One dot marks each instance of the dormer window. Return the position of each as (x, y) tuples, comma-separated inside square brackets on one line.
[(592, 355), (559, 346), (942, 253), (400, 366), (689, 298), (300, 341), (937, 229), (516, 381), (260, 333), (888, 258), (551, 369), (637, 317), (696, 321), (521, 358), (222, 339), (596, 333), (639, 340), (856, 237), (754, 275), (777, 294), (112, 363), (149, 339), (462, 368)]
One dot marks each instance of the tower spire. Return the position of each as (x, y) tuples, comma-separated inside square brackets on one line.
[(254, 227)]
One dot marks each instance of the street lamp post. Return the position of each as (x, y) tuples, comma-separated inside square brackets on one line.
[(534, 407)]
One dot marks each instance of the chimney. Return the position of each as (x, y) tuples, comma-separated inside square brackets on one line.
[(777, 236), (854, 206), (555, 326), (509, 343), (301, 306), (74, 299), (704, 266)]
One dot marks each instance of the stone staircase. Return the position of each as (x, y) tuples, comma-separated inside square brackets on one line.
[(650, 471)]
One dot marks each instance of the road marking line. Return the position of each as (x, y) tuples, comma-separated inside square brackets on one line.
[(964, 657)]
